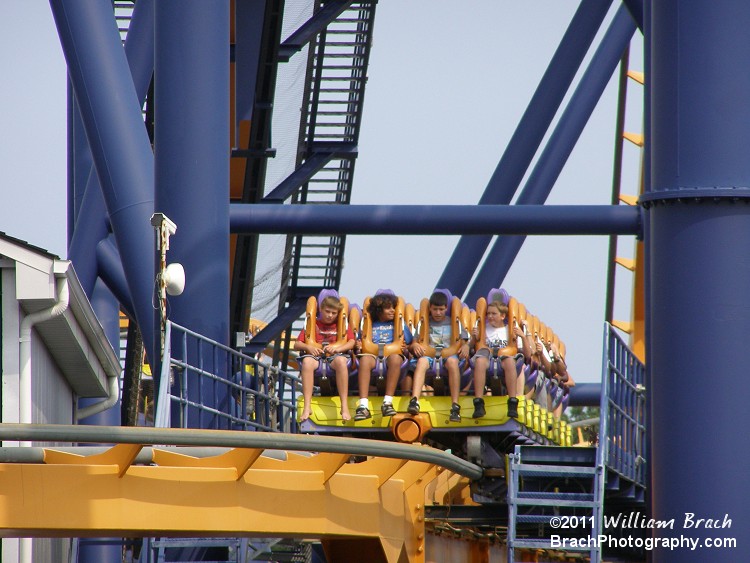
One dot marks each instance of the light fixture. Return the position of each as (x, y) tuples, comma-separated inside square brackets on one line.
[(174, 278)]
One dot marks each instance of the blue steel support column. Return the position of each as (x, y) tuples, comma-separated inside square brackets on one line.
[(647, 50), (699, 278), (79, 161), (119, 144), (70, 147), (192, 155), (527, 136), (560, 145)]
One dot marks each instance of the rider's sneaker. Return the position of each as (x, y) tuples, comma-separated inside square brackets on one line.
[(479, 411), (387, 409), (362, 413), (455, 415), (513, 407), (413, 407)]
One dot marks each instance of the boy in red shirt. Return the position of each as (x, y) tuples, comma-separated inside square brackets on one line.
[(326, 348)]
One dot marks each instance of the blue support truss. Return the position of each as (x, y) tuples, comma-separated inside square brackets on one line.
[(693, 216)]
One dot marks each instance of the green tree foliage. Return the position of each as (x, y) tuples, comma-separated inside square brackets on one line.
[(589, 433)]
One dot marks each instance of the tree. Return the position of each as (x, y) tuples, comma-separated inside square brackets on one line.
[(589, 432)]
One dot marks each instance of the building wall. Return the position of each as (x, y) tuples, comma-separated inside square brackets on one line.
[(53, 401), (9, 337), (53, 398)]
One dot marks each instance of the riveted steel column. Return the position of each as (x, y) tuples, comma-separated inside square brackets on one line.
[(191, 148), (699, 226)]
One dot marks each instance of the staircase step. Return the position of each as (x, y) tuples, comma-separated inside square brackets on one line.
[(555, 502), (345, 43), (350, 20), (340, 31), (554, 470), (543, 543), (343, 67), (545, 495), (331, 124), (341, 55), (328, 102), (346, 78), (335, 90), (533, 518), (336, 113)]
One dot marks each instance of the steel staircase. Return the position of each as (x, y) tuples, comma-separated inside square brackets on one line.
[(571, 483), (329, 132), (224, 550), (555, 492)]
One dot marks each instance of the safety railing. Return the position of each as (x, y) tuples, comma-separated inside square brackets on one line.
[(205, 384), (622, 430)]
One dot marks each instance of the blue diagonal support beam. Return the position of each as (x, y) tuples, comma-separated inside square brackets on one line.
[(248, 29), (312, 165), (317, 23), (636, 10), (121, 150), (90, 205), (528, 136), (560, 145)]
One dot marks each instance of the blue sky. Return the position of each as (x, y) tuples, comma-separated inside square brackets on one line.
[(446, 89)]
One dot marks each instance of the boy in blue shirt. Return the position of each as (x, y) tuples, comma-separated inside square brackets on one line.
[(440, 336), (382, 310)]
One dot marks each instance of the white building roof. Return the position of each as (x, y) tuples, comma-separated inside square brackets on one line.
[(75, 339)]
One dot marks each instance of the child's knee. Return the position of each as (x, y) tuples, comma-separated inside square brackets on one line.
[(451, 363), (338, 363), (393, 361), (481, 363)]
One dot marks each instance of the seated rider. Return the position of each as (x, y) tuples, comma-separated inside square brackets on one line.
[(382, 312), (326, 347), (496, 337), (563, 379), (441, 336), (543, 364), (525, 384)]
